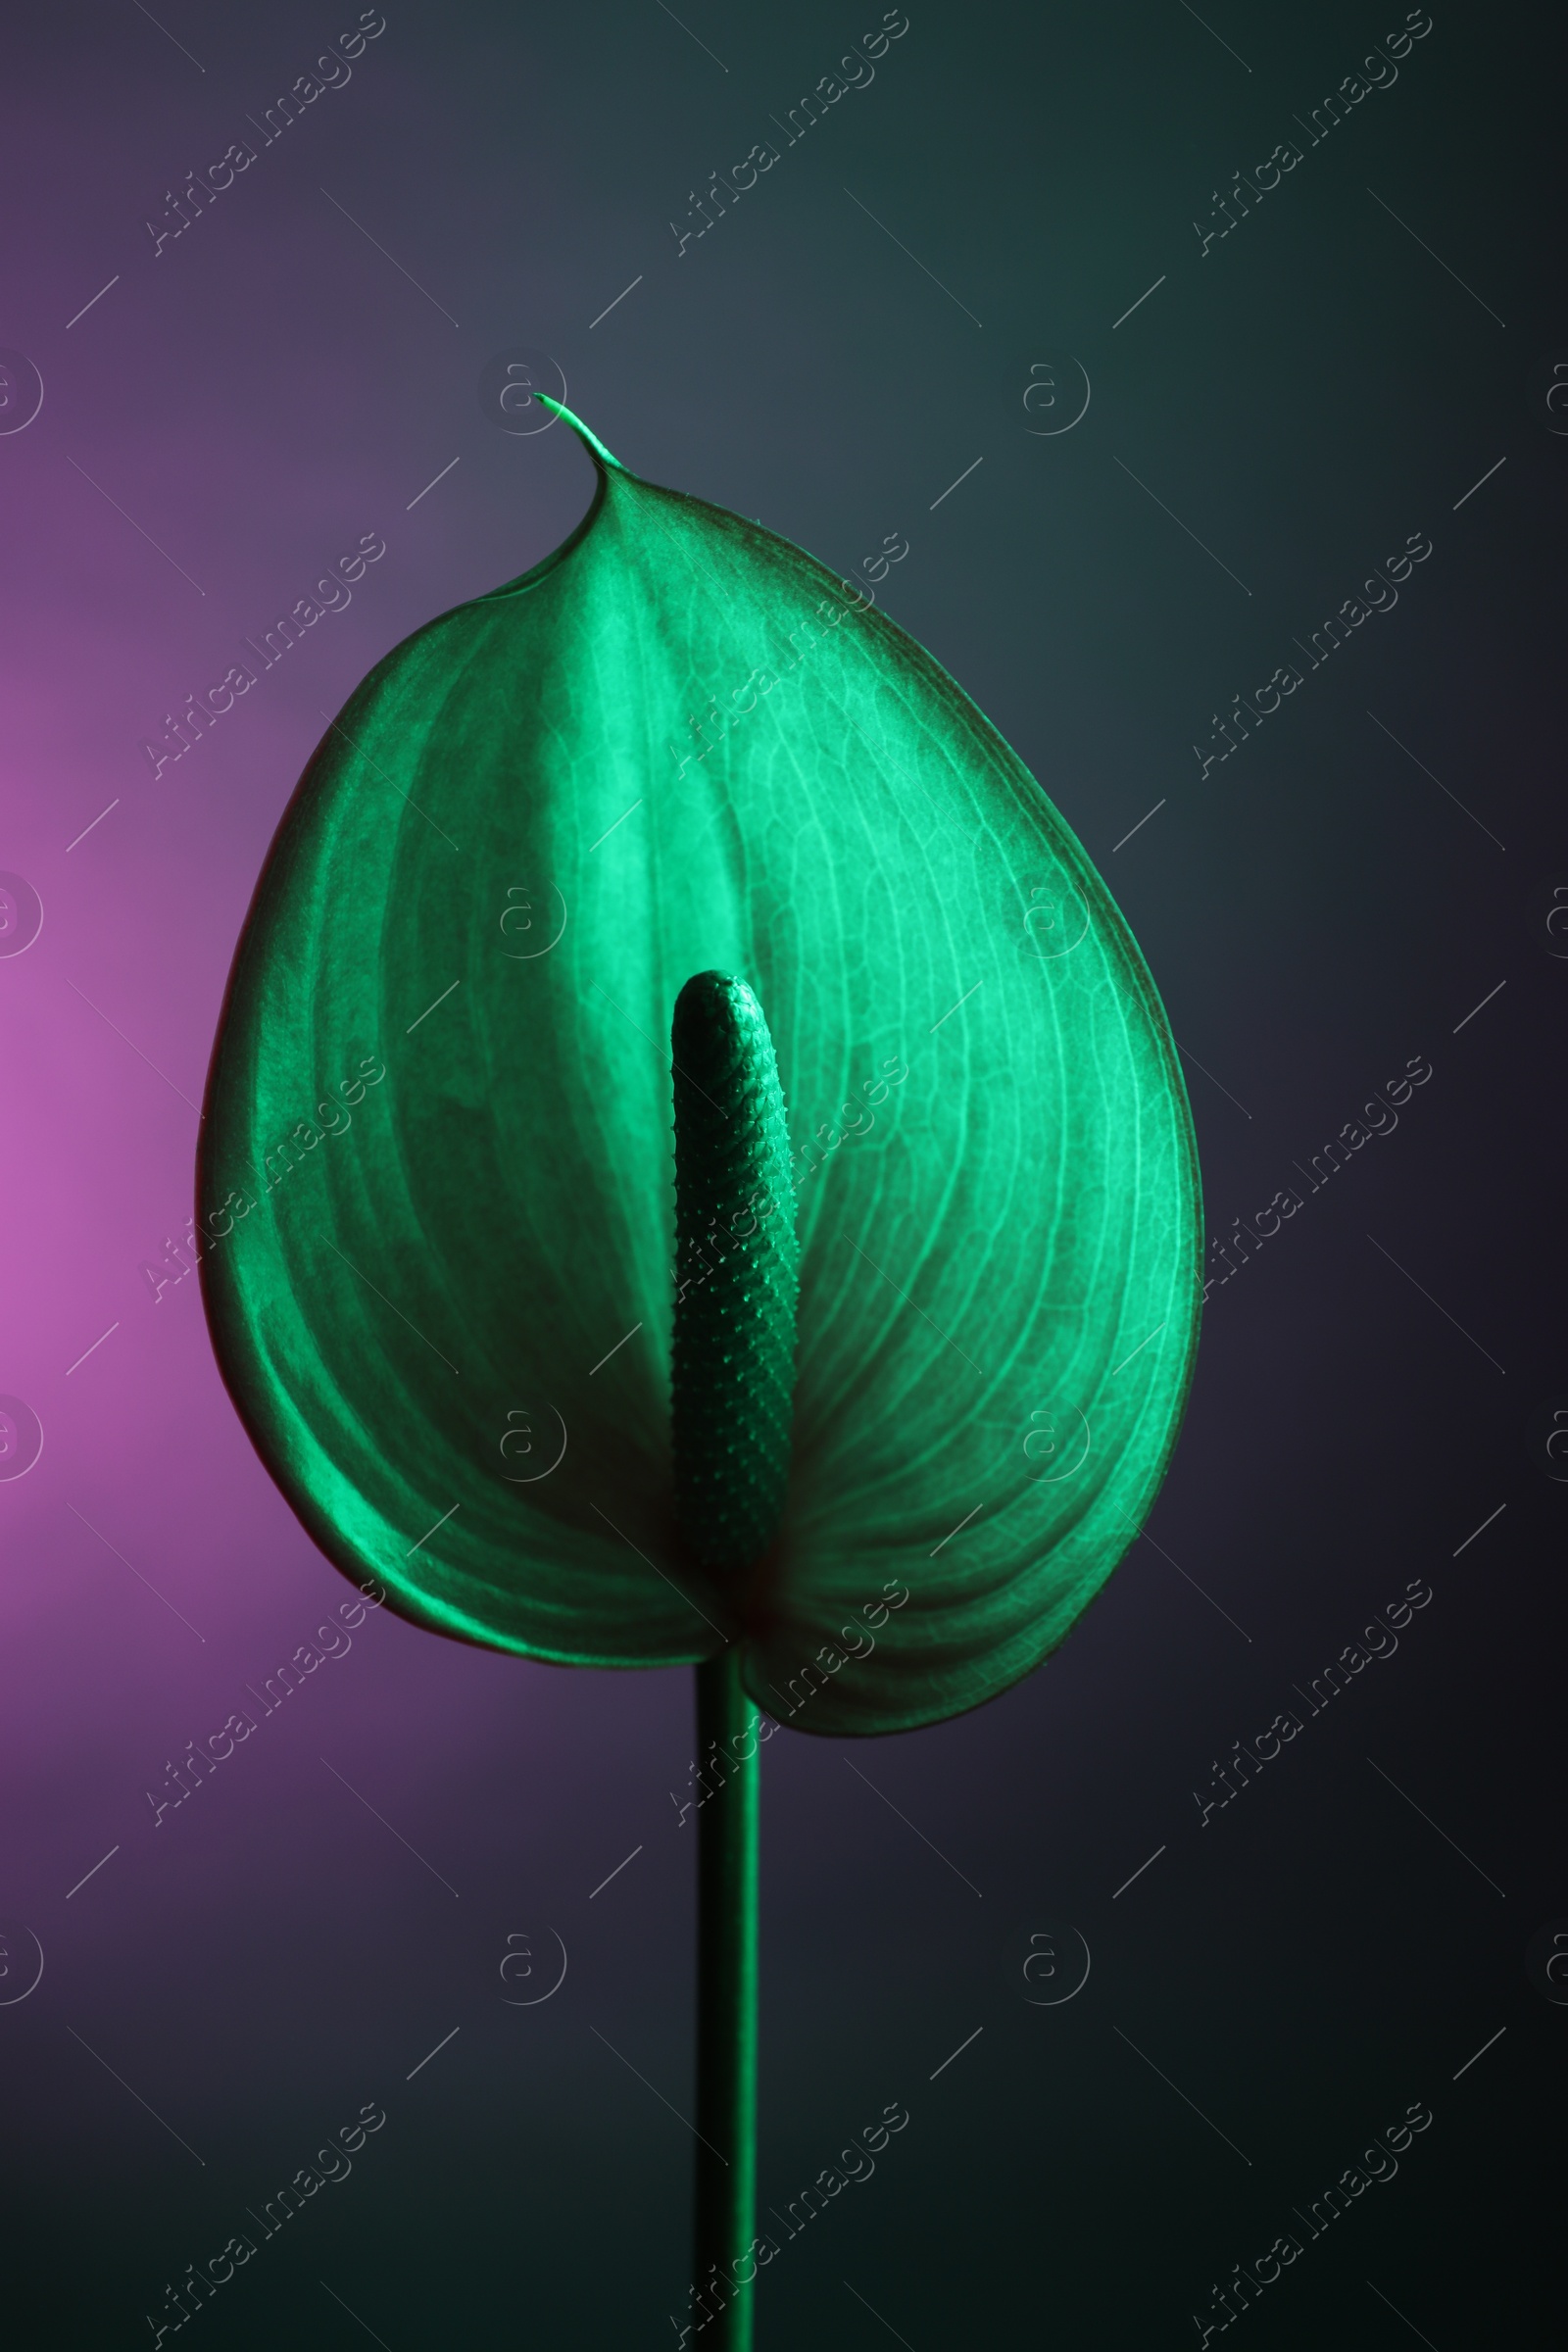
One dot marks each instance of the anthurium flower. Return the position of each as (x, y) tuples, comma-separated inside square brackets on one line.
[(438, 1171)]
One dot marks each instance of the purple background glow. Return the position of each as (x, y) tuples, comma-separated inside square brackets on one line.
[(231, 415)]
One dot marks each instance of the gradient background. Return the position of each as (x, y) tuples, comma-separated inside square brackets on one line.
[(1322, 1953)]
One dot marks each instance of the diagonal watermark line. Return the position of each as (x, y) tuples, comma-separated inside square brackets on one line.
[(147, 1058), (1480, 2053), (624, 291), (958, 2053), (414, 1850), (1138, 828), (1181, 2094), (429, 1009), (1443, 1833), (876, 2315), (136, 2095), (658, 2095), (615, 1873), (1215, 37), (619, 1344), (354, 2315), (397, 1310), (903, 248), (1138, 1350), (168, 37), (620, 820), (381, 249), (1197, 1587), (1181, 526), (135, 1572), (691, 36), (952, 486), (1143, 297), (386, 779), (1399, 2315), (87, 306), (1437, 256), (440, 2045), (1437, 780), (1139, 1872), (1480, 1530), (1212, 1080), (1475, 486), (430, 485), (952, 1009), (1481, 1007), (1443, 1311), (97, 820), (920, 1834), (92, 1350), (958, 1530), (642, 1032), (637, 1025), (919, 1310), (653, 1564), (136, 526), (93, 1873), (431, 1531)]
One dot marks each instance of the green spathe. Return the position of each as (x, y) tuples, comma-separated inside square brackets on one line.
[(682, 746)]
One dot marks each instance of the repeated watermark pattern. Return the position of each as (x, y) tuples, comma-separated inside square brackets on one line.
[(200, 190), (1379, 73), (1378, 2162), (707, 2298), (1378, 1639), (1379, 1116), (243, 407), (858, 1641), (186, 728), (1379, 595), (855, 72), (333, 2163), (203, 1758)]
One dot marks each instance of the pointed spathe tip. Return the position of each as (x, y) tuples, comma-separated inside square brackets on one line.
[(589, 439)]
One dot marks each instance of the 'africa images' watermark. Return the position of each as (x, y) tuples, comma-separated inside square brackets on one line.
[(333, 2165), (1380, 595), (331, 1642), (1378, 1639), (857, 73), (709, 2298), (197, 195), (858, 1642), (717, 722), (1381, 74), (288, 1153), (1380, 1116), (333, 594), (1379, 2162)]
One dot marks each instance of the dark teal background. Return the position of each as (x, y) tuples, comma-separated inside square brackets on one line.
[(1280, 1983)]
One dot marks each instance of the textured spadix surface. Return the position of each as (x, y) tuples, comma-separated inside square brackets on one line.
[(732, 1382), (681, 746)]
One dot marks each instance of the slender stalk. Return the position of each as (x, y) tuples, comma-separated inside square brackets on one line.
[(726, 2003)]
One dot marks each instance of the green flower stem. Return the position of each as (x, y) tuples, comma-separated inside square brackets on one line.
[(726, 2003)]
